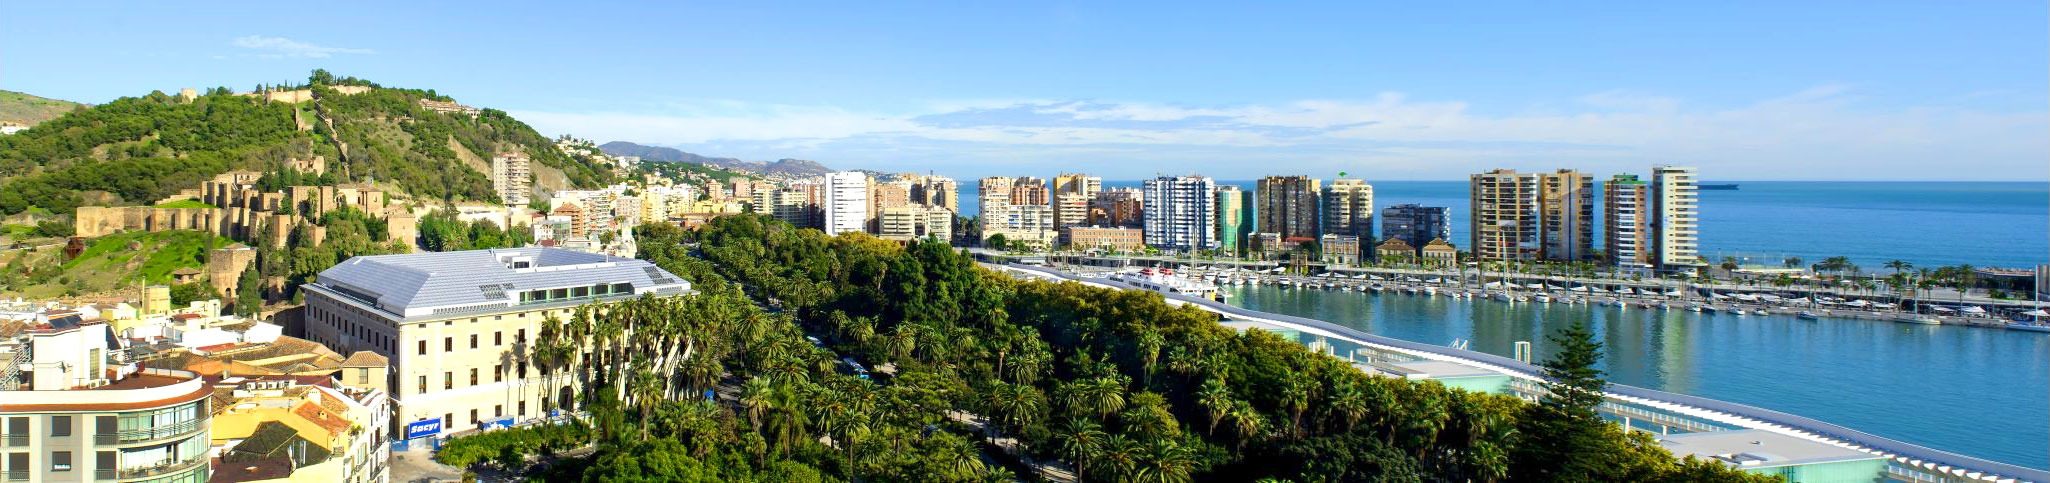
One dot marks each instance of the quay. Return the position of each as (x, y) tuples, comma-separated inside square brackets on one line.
[(1665, 410)]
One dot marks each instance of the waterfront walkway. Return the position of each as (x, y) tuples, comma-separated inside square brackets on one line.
[(1928, 462)]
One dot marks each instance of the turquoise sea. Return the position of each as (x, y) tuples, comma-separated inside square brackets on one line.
[(1999, 224)]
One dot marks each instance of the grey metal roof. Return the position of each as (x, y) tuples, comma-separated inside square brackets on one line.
[(417, 284)]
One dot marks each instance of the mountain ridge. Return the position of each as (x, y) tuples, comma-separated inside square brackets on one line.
[(785, 166)]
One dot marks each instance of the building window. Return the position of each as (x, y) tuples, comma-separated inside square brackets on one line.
[(523, 409), (498, 410), (473, 341), (498, 338), (423, 347), (473, 417), (523, 369), (521, 337), (447, 420), (60, 461), (497, 372), (448, 344), (60, 426), (423, 384), (473, 376), (448, 380)]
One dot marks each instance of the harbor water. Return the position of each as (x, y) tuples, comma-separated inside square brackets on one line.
[(1983, 392)]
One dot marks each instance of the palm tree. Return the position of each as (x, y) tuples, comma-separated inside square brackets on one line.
[(1246, 421), (1349, 404), (1966, 277), (1295, 396), (1164, 461), (1079, 439), (1793, 262), (1149, 344), (1215, 398), (755, 397), (1119, 456)]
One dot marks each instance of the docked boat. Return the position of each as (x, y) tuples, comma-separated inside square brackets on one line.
[(1806, 315), (1165, 281), (1918, 319), (2030, 327), (1542, 298)]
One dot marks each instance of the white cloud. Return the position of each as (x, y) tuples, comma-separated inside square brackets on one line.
[(284, 47), (1817, 133)]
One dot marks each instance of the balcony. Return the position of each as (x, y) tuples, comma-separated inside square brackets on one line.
[(150, 434), (151, 471)]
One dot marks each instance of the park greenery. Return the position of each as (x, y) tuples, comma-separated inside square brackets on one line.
[(850, 357), (135, 150)]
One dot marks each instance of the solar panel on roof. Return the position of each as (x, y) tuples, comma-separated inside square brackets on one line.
[(656, 275)]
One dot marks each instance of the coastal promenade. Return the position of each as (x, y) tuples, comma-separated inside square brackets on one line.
[(1907, 461)]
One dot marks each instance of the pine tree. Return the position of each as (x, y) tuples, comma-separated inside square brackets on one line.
[(1570, 441)]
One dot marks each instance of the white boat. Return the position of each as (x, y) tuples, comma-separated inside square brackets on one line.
[(1542, 298), (1504, 296), (1918, 319), (1806, 315), (1165, 281), (1431, 290)]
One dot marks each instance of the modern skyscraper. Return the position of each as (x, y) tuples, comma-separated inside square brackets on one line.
[(1234, 219), (1071, 196), (846, 202), (1180, 213), (1675, 231), (1566, 204), (1349, 208), (1626, 238), (1415, 224), (1288, 205), (1504, 222)]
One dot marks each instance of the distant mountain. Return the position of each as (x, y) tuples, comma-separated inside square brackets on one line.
[(28, 110), (786, 166)]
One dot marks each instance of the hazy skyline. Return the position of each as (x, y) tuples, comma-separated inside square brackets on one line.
[(1857, 91)]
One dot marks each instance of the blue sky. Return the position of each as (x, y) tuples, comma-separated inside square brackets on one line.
[(1395, 90)]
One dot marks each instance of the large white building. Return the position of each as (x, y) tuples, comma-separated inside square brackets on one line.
[(454, 324), (1675, 230), (73, 408), (1181, 213), (846, 202)]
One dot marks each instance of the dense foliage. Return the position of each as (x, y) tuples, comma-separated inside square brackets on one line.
[(977, 376), (442, 231)]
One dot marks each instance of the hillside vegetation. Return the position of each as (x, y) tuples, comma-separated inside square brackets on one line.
[(139, 149), (28, 110), (119, 261)]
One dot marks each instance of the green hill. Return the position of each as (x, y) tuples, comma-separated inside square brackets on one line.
[(28, 110), (140, 149)]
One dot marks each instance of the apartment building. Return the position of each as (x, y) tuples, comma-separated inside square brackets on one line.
[(846, 202), (1504, 221), (73, 408), (455, 325), (1676, 229), (1415, 224), (1288, 205), (1349, 208), (1180, 213), (1234, 219), (1071, 195), (512, 178), (1118, 207), (1626, 233), (915, 222), (1566, 206)]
